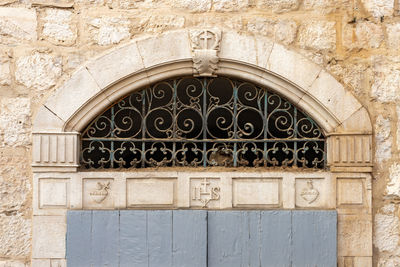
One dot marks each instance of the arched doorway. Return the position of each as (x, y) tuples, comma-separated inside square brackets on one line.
[(61, 186)]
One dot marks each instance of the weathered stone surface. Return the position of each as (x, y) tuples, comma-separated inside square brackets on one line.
[(386, 236), (193, 5), (379, 8), (354, 235), (353, 75), (38, 71), (393, 35), (364, 34), (6, 2), (386, 80), (15, 237), (320, 6), (319, 35), (383, 139), (260, 25), (283, 31), (53, 3), (17, 24), (229, 5), (398, 127), (156, 23), (58, 27), (389, 262), (13, 263), (15, 187), (393, 185), (49, 234), (14, 121), (5, 75), (279, 6), (109, 30)]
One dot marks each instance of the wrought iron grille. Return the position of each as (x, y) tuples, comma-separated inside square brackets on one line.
[(202, 122)]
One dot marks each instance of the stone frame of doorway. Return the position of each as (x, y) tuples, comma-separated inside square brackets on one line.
[(146, 60)]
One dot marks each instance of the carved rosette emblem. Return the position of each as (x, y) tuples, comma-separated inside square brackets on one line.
[(309, 194), (205, 47), (101, 192)]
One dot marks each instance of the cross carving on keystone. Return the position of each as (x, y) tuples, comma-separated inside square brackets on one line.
[(205, 36)]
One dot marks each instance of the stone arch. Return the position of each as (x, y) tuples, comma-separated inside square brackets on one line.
[(60, 186), (142, 61)]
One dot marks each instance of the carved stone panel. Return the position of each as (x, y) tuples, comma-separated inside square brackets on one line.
[(350, 150), (98, 193), (55, 151), (255, 192), (350, 191), (309, 192), (205, 46), (147, 192), (53, 193), (205, 192)]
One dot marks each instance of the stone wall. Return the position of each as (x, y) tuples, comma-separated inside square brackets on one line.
[(43, 41)]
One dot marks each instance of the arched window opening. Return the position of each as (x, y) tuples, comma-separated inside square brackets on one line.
[(202, 122)]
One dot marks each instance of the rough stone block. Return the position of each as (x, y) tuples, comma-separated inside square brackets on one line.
[(109, 30), (15, 121), (17, 24), (379, 8), (38, 71), (386, 234), (383, 139), (58, 27), (193, 5), (279, 6), (386, 80), (230, 5), (53, 3), (318, 35), (5, 75), (365, 34)]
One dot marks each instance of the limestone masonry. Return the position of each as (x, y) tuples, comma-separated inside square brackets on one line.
[(43, 42)]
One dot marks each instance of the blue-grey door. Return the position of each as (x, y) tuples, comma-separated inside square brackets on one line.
[(163, 238)]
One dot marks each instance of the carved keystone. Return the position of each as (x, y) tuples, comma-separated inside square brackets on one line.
[(205, 46)]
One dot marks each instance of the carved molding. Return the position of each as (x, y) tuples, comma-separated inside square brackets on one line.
[(205, 47), (350, 151), (55, 150)]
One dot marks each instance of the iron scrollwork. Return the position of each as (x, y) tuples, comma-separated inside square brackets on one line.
[(203, 122)]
